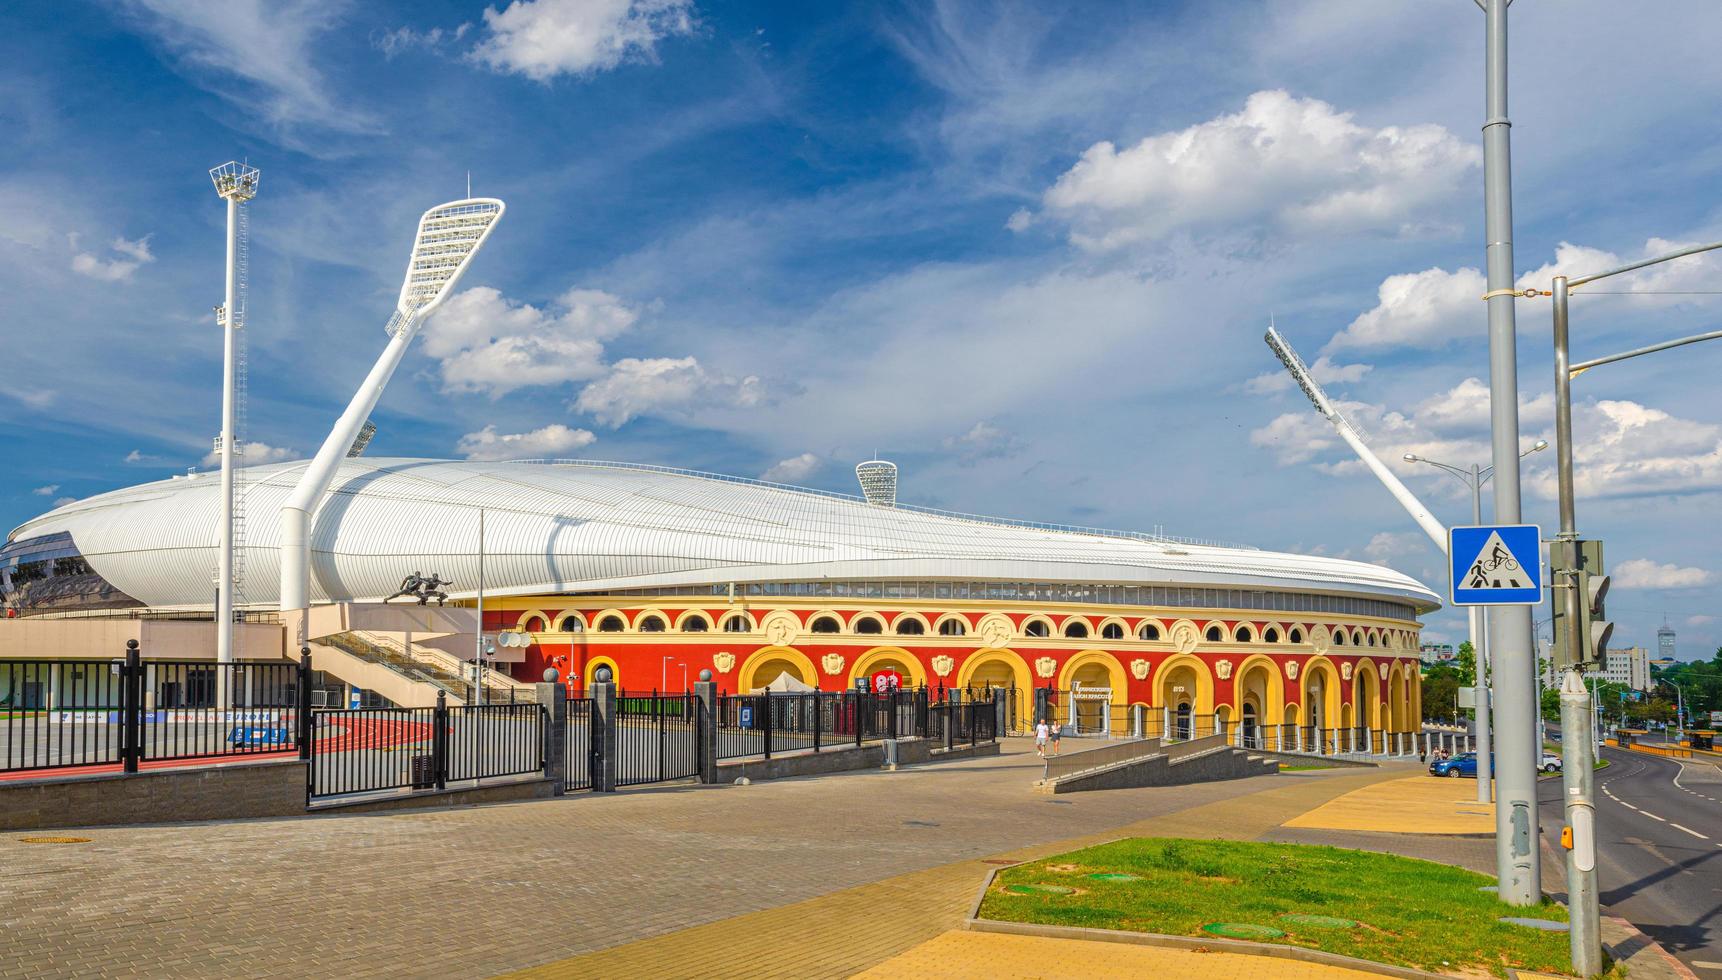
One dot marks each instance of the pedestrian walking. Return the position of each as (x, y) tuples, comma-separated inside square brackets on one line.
[(1042, 731), (1053, 740)]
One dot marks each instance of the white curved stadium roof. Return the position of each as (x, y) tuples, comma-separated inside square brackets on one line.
[(594, 527)]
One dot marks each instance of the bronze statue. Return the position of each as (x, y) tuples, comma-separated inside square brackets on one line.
[(416, 586)]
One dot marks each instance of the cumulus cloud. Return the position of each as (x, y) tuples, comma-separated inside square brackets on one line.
[(489, 344), (1325, 370), (657, 385), (1659, 284), (1642, 573), (130, 255), (1625, 449), (47, 491), (63, 501), (795, 469), (137, 456), (542, 39), (552, 440), (1419, 309), (1296, 163), (403, 39), (1385, 546), (983, 440), (250, 454)]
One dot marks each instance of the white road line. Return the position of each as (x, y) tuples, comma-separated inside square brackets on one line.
[(1654, 816), (1689, 830), (1629, 806), (1707, 965)]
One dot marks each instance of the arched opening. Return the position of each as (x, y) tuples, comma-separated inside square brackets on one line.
[(1180, 690), (884, 659), (1112, 631), (869, 626), (1249, 726), (1037, 628), (1259, 688), (1243, 634), (572, 624), (695, 624), (535, 624), (1148, 631), (1222, 719), (1214, 634), (826, 624), (1096, 694), (1321, 701), (1295, 636), (610, 624), (1339, 638), (953, 627), (1076, 629), (652, 624), (1366, 695), (737, 624), (767, 664), (1371, 639), (910, 627), (985, 670), (1270, 635)]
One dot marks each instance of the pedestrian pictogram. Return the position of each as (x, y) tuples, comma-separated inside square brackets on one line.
[(1496, 565)]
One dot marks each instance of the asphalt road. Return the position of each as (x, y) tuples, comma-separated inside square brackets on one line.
[(1659, 850)]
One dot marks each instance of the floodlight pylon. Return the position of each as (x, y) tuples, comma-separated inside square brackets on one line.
[(236, 183), (449, 235), (1354, 438)]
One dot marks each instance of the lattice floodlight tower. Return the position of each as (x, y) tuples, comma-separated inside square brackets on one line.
[(878, 481), (1353, 437), (236, 183), (449, 236)]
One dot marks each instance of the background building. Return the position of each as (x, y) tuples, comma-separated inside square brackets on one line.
[(1665, 643), (1629, 666)]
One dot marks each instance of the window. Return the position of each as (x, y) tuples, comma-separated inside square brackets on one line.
[(1296, 636), (1372, 639), (1339, 638), (910, 627), (651, 624), (1037, 628), (825, 624), (572, 624), (610, 624), (1148, 631), (736, 624), (1270, 635), (1215, 634), (535, 625), (953, 627), (1243, 634), (1112, 631), (695, 624), (869, 626), (1076, 630)]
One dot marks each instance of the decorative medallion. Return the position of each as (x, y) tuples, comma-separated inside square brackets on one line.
[(1139, 669), (780, 628), (1185, 636), (942, 665), (1320, 638), (995, 631), (1045, 666), (1345, 671), (832, 662), (1291, 670), (1223, 670), (724, 662)]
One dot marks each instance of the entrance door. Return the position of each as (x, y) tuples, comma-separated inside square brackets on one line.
[(1251, 737)]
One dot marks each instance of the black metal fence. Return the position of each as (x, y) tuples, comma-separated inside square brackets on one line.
[(760, 724), (367, 750), (75, 713), (657, 739), (580, 745)]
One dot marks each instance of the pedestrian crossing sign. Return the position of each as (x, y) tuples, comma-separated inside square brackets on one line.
[(1496, 565)]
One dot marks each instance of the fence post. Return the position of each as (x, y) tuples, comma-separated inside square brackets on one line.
[(855, 697), (951, 702), (816, 721), (307, 729), (554, 705), (131, 708), (765, 706), (706, 718), (439, 740), (891, 724), (604, 732)]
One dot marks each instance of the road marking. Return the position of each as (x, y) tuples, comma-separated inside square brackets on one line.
[(1629, 806), (1689, 830), (1707, 965), (1654, 816)]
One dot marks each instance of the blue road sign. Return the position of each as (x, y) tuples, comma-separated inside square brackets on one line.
[(1495, 565)]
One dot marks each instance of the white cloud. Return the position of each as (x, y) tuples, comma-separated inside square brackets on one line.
[(1700, 620), (1385, 546), (267, 43), (131, 256), (251, 454), (47, 491), (795, 469), (1625, 449), (1325, 370), (983, 440), (489, 344), (542, 39), (137, 456), (1020, 220), (659, 385), (63, 501), (1420, 309), (1297, 163), (1661, 284), (403, 39), (1642, 573), (552, 440)]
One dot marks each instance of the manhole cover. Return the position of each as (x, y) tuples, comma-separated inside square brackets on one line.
[(1319, 921), (1243, 930), (54, 840), (1115, 876), (1546, 925), (1040, 889)]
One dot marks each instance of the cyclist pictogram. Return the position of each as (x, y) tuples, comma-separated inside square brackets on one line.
[(1495, 565)]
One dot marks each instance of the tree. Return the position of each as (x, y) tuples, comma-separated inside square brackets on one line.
[(1467, 663), (1441, 693)]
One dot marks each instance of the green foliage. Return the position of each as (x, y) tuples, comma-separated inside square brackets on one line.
[(1467, 661), (1441, 694)]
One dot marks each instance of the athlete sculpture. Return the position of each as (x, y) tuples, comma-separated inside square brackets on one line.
[(423, 589)]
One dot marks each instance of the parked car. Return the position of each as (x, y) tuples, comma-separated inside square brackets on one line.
[(1549, 762), (1463, 764)]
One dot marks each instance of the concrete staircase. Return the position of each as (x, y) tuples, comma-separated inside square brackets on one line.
[(1148, 762)]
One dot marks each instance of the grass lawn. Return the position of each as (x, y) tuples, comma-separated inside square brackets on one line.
[(1300, 768), (1401, 911)]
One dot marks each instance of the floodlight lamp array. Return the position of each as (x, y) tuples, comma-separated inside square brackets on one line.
[(236, 181)]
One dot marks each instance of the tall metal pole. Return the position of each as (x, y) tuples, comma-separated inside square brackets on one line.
[(1518, 866), (1480, 662), (1578, 753), (478, 638), (229, 318)]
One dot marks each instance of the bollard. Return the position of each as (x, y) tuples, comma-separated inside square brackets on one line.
[(554, 712), (604, 740)]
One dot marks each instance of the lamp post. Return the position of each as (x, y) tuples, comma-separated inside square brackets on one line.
[(1474, 478), (1578, 756)]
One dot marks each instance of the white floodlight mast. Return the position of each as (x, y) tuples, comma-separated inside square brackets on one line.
[(236, 183), (449, 236), (1435, 529)]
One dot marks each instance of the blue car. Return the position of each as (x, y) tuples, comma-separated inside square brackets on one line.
[(1463, 764)]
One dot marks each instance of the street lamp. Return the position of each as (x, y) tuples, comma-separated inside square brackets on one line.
[(1474, 478)]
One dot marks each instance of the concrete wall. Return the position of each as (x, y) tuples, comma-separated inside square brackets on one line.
[(1210, 766), (105, 639), (229, 792), (871, 756)]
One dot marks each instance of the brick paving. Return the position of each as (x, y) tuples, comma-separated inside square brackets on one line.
[(478, 891)]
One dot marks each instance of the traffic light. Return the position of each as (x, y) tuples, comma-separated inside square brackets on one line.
[(1579, 566)]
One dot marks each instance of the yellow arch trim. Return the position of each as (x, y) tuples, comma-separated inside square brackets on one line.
[(849, 627), (863, 665), (745, 681), (1273, 712), (926, 627), (573, 614), (711, 627), (1117, 679), (525, 617), (1329, 710), (833, 614), (641, 615), (1051, 631), (592, 665), (1204, 700), (940, 623), (1366, 666), (980, 658), (1087, 624), (752, 620)]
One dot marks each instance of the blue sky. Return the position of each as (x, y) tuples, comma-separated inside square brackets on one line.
[(1026, 252)]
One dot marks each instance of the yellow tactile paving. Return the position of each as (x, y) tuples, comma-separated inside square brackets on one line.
[(1419, 804), (991, 956)]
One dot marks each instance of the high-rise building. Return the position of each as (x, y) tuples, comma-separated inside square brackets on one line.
[(1665, 642), (1630, 667)]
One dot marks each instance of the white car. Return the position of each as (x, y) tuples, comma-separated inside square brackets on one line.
[(1549, 762)]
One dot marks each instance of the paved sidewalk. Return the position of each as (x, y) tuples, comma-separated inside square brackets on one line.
[(1417, 804), (976, 955)]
